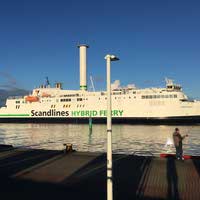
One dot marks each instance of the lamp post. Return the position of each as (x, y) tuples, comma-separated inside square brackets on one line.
[(109, 58)]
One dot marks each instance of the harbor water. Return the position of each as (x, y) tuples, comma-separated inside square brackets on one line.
[(147, 139)]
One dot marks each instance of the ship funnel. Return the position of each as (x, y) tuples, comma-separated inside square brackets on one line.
[(83, 67), (58, 85)]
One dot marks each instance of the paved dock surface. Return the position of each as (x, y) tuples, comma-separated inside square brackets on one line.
[(44, 174)]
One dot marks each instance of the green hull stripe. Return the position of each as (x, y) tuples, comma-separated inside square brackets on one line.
[(83, 86), (12, 115)]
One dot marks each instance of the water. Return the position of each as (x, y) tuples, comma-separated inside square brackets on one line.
[(126, 138)]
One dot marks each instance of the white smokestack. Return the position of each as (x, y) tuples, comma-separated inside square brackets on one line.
[(83, 66)]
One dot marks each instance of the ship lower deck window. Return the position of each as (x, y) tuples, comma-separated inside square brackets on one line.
[(66, 106), (17, 102), (79, 99), (17, 106)]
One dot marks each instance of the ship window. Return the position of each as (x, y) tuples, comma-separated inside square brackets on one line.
[(129, 97), (143, 97), (79, 99), (175, 96), (171, 96), (158, 96), (134, 92), (65, 100), (17, 102), (117, 93), (166, 96), (154, 96), (162, 96)]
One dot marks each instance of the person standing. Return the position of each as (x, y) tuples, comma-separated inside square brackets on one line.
[(178, 138)]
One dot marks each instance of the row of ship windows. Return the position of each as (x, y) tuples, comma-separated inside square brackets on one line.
[(81, 99), (120, 98), (67, 100), (120, 93), (68, 106), (102, 93), (159, 96), (64, 106)]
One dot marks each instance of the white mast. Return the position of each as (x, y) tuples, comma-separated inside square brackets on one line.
[(83, 66)]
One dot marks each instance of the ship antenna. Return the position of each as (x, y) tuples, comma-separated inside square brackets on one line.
[(47, 83), (92, 83)]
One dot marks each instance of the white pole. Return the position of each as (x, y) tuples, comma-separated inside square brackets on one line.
[(109, 134)]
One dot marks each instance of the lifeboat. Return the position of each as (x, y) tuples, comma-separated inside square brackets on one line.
[(44, 94), (31, 98)]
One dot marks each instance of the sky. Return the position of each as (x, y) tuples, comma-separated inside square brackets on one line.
[(154, 39)]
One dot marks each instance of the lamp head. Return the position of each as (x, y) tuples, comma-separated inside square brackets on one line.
[(112, 57)]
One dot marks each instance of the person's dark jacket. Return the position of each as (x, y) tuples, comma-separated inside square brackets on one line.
[(177, 139)]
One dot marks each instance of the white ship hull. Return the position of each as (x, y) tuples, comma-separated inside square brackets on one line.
[(131, 106)]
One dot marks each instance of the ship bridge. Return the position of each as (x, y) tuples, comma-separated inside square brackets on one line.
[(171, 86)]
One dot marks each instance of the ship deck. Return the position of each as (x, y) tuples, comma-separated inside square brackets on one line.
[(49, 174)]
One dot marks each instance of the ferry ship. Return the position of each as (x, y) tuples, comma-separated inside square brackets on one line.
[(129, 104)]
